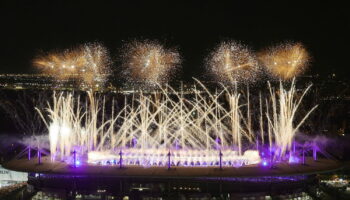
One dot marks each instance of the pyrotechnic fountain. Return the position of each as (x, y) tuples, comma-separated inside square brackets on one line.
[(196, 130)]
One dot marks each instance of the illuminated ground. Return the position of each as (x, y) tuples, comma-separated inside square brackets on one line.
[(311, 167)]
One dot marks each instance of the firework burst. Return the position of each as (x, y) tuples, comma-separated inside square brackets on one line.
[(88, 63), (149, 61), (232, 61), (285, 61)]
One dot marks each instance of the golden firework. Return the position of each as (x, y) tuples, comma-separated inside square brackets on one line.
[(88, 63), (149, 61), (231, 61), (285, 61)]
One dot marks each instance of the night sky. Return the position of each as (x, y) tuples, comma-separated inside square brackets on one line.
[(194, 27)]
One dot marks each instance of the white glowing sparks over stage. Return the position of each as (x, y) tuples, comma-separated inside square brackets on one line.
[(169, 127)]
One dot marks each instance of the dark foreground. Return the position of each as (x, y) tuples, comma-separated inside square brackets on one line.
[(280, 169), (60, 181)]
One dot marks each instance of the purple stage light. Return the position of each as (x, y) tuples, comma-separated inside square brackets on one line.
[(75, 158), (29, 151), (220, 155), (169, 160), (264, 163), (293, 159), (39, 157), (314, 152), (120, 159)]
